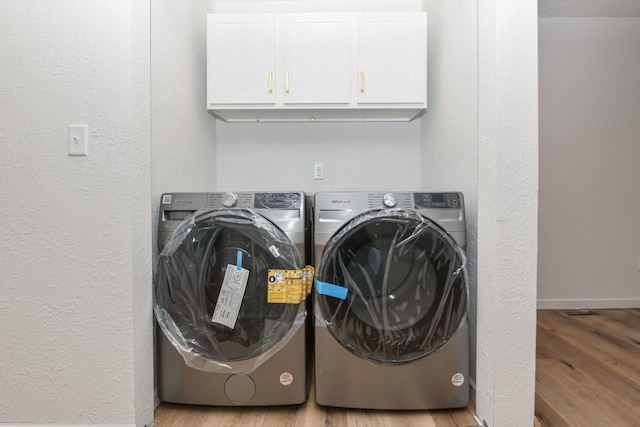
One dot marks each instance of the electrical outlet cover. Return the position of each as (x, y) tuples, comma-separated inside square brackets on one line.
[(78, 140)]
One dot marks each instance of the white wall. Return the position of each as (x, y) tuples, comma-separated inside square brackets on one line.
[(183, 151), (450, 126), (507, 211), (479, 136), (75, 257), (356, 156), (140, 194), (589, 236)]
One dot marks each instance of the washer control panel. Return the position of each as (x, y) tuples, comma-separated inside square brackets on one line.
[(287, 209), (402, 200)]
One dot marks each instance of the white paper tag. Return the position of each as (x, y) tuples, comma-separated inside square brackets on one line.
[(230, 298), (274, 251)]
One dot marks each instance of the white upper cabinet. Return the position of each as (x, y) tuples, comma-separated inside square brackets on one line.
[(392, 58), (346, 66), (241, 59), (316, 58)]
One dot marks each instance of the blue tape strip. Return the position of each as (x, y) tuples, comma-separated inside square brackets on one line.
[(239, 261), (324, 288)]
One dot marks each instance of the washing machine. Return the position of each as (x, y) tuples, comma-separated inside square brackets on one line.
[(391, 300), (230, 298)]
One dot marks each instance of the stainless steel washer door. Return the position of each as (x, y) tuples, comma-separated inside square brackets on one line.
[(406, 287)]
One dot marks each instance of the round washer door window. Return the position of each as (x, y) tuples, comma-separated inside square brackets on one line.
[(406, 286), (189, 284)]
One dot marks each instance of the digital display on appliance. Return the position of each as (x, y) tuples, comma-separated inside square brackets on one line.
[(437, 200), (278, 200)]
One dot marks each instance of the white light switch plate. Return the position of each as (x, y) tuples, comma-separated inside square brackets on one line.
[(78, 143)]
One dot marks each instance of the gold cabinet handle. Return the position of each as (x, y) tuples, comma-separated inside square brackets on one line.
[(271, 82), (361, 81), (286, 82)]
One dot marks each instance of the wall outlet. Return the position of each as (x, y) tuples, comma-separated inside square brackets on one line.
[(318, 171)]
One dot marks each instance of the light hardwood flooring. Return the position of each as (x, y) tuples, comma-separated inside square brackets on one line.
[(588, 368), (307, 415)]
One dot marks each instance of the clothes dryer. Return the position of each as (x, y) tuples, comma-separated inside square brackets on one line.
[(391, 300), (230, 331)]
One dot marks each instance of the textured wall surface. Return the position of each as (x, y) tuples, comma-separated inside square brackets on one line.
[(589, 156), (507, 212), (140, 199), (450, 126), (69, 248)]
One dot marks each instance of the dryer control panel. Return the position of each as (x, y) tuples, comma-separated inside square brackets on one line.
[(414, 200), (437, 200), (334, 209)]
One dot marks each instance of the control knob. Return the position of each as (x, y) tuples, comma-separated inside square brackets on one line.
[(229, 200), (389, 200)]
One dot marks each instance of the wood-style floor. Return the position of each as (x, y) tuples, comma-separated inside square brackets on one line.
[(587, 374), (307, 415), (588, 368)]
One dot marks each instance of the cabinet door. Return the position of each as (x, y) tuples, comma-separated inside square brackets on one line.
[(241, 59), (392, 57), (316, 58)]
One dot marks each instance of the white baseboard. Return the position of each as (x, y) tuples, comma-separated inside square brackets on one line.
[(577, 303)]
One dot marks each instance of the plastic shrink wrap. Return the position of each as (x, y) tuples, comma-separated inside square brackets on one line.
[(188, 286), (404, 282)]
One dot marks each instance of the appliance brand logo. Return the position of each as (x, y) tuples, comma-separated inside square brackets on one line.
[(341, 201), (182, 202)]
